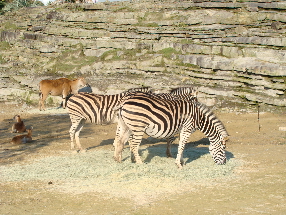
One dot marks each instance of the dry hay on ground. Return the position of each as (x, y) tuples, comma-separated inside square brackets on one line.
[(96, 171)]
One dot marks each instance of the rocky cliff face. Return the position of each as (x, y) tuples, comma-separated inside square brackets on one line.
[(233, 51)]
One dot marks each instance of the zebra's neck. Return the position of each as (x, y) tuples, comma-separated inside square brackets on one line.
[(209, 124)]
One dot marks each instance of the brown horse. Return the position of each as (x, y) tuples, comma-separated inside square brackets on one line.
[(59, 87)]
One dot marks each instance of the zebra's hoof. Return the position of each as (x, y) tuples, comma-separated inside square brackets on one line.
[(74, 151), (139, 162), (117, 159), (179, 165)]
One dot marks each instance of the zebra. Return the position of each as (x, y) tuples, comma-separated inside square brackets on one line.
[(160, 118), (98, 109), (94, 108), (185, 93)]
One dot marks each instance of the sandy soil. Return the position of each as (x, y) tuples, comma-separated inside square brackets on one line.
[(46, 177)]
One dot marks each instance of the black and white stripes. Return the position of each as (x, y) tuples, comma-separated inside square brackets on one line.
[(140, 111), (93, 108), (162, 118)]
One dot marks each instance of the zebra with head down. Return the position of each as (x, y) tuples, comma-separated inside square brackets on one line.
[(184, 93), (161, 118)]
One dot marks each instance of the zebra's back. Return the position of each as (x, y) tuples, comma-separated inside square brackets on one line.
[(93, 108), (160, 118)]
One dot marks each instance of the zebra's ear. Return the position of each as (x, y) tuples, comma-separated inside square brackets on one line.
[(225, 138), (195, 94)]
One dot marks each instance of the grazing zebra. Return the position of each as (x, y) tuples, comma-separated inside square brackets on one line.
[(185, 93), (160, 118), (93, 108)]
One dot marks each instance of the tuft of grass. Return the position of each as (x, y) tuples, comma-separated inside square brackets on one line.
[(151, 25), (4, 45), (17, 4), (1, 59), (50, 101), (28, 100), (71, 60), (189, 65), (168, 52), (9, 26), (111, 53), (186, 41)]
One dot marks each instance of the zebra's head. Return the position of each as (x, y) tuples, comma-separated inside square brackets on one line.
[(217, 150)]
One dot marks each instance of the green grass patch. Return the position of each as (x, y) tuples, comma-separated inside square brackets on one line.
[(4, 45), (109, 55), (168, 52), (71, 60), (189, 65), (1, 59), (186, 41), (9, 26), (151, 25)]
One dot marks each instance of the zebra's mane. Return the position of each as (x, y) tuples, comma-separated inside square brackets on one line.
[(209, 114), (184, 90), (139, 89)]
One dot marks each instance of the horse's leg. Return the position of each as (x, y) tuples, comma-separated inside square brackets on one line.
[(64, 96), (42, 100)]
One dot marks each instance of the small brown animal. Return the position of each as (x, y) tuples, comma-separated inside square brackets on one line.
[(24, 138), (59, 87), (19, 126)]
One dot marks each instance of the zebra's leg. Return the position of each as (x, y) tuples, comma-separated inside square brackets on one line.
[(122, 135), (74, 127), (72, 132), (116, 155), (77, 132), (184, 136), (134, 145), (170, 141), (131, 153)]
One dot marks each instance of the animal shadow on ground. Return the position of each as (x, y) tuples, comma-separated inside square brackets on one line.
[(110, 142), (102, 143), (154, 148), (191, 152)]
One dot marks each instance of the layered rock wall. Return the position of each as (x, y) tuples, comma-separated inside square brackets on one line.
[(233, 51)]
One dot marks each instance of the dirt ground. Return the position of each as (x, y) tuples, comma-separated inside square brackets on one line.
[(255, 183)]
